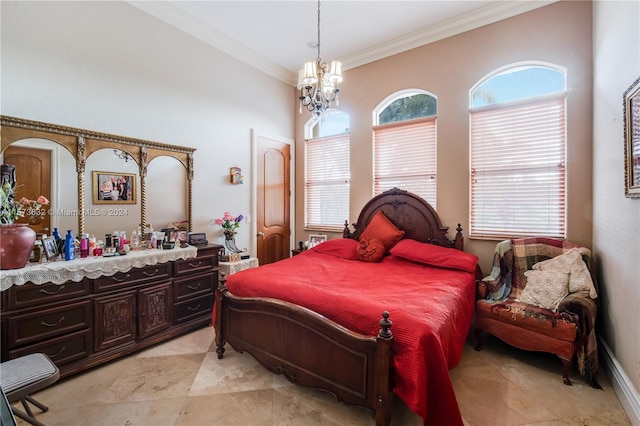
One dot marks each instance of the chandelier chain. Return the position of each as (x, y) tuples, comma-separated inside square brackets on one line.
[(318, 58)]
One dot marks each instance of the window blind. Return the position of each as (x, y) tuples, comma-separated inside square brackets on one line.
[(327, 182), (518, 170), (405, 157)]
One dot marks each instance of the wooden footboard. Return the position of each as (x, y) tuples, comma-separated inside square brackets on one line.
[(308, 349)]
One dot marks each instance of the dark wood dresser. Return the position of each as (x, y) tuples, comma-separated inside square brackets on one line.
[(83, 324)]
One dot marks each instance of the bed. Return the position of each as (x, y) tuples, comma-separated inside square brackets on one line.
[(362, 330)]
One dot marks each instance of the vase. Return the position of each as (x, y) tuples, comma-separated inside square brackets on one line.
[(16, 243), (230, 243)]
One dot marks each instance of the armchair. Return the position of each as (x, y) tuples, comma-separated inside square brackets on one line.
[(541, 296)]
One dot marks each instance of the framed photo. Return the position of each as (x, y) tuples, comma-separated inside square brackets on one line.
[(314, 240), (50, 248), (182, 237), (631, 119), (114, 188)]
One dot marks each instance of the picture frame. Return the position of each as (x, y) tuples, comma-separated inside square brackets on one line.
[(122, 187), (631, 120), (50, 248), (182, 237), (315, 239)]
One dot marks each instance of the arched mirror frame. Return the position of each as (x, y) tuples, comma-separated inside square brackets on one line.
[(81, 143)]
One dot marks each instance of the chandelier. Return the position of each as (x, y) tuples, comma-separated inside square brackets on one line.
[(318, 82)]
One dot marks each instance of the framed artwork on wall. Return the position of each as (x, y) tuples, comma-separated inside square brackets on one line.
[(114, 188), (631, 119)]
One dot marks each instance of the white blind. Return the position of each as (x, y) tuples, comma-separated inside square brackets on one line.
[(518, 177), (327, 182), (405, 157)]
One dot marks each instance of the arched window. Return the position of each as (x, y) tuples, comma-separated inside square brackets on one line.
[(404, 144), (517, 153), (326, 172)]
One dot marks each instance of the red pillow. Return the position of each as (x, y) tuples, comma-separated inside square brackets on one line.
[(433, 255), (338, 247), (370, 250), (381, 228)]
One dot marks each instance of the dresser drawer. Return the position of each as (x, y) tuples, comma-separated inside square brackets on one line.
[(190, 309), (47, 323), (197, 264), (135, 276), (22, 296), (61, 350), (192, 286)]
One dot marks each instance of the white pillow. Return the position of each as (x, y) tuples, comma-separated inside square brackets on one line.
[(571, 262), (545, 289)]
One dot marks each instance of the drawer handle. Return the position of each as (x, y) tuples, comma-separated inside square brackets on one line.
[(195, 265), (194, 287), (193, 309), (120, 280), (150, 274), (62, 349), (51, 293), (46, 324)]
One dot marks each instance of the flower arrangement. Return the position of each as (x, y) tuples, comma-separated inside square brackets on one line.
[(10, 210), (229, 223)]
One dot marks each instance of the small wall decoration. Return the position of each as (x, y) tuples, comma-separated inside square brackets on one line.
[(235, 175), (114, 188), (314, 240), (631, 120)]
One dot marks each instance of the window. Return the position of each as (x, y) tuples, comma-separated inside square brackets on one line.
[(404, 139), (327, 173), (518, 154)]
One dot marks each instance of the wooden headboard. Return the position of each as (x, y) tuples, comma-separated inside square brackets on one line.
[(409, 213)]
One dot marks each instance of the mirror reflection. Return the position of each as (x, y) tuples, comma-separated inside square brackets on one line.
[(120, 209), (166, 192), (44, 167)]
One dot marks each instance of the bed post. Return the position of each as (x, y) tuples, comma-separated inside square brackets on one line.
[(459, 240), (383, 372), (219, 296)]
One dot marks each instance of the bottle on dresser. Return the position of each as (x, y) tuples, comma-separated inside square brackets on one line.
[(69, 246)]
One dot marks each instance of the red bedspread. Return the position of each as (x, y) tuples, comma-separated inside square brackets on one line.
[(431, 309)]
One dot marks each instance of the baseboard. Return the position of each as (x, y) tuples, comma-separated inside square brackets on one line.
[(622, 386)]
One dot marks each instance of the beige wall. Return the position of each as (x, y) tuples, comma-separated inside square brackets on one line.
[(559, 34), (616, 235)]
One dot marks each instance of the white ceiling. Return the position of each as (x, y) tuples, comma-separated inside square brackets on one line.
[(275, 36)]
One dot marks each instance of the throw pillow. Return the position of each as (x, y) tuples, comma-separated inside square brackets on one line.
[(338, 247), (430, 254), (572, 263), (545, 289), (370, 250), (381, 228)]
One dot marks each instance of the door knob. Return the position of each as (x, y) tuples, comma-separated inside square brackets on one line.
[(260, 234)]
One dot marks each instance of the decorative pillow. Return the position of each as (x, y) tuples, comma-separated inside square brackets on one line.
[(433, 255), (545, 289), (370, 250), (381, 228), (338, 247), (571, 262)]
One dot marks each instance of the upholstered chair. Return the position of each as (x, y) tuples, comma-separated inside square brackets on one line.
[(541, 295)]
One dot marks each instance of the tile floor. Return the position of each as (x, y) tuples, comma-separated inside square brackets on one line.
[(181, 382)]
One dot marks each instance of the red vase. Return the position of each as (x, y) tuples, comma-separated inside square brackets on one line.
[(16, 243)]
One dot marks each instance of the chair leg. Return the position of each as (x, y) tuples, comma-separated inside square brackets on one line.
[(28, 416), (566, 367), (479, 342)]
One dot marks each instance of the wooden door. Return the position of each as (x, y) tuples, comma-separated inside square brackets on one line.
[(33, 178), (273, 199)]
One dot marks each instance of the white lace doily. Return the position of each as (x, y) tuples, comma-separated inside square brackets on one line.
[(61, 271)]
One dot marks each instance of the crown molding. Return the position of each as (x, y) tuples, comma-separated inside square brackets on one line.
[(490, 14), (497, 11), (168, 13)]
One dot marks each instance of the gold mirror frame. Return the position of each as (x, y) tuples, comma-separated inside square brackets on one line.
[(81, 143), (631, 120)]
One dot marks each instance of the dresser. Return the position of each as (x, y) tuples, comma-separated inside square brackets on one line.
[(81, 324)]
